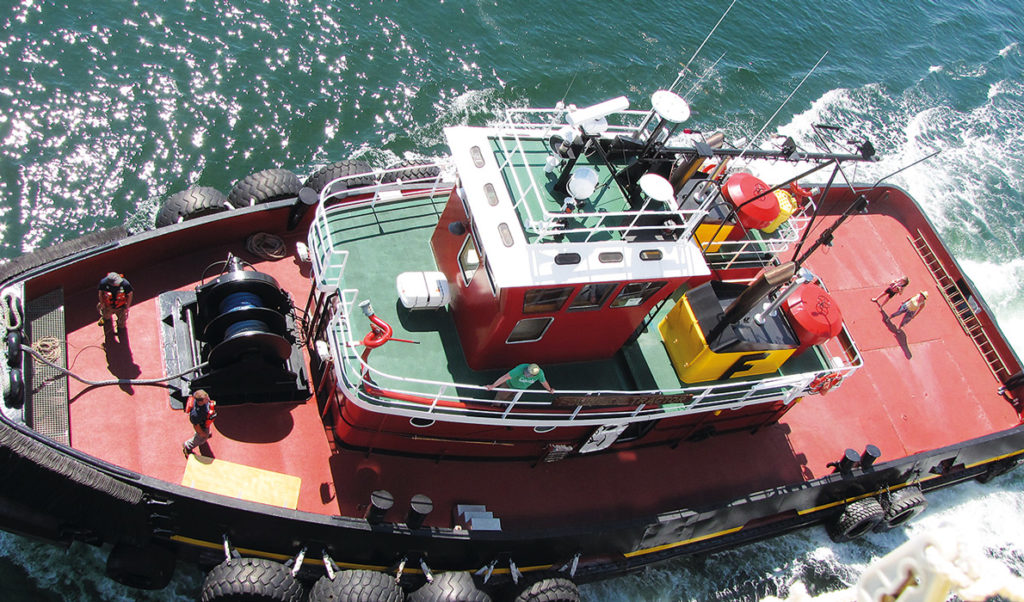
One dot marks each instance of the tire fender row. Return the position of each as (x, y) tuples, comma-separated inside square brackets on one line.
[(277, 184)]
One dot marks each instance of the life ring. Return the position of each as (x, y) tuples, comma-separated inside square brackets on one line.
[(379, 334), (824, 383)]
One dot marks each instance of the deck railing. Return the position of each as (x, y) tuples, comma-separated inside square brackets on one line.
[(431, 399), (339, 195), (529, 197), (961, 307)]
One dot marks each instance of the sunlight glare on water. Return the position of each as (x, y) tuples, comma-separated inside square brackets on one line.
[(108, 108)]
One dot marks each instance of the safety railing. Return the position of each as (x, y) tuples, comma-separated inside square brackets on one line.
[(350, 193), (431, 399), (654, 218)]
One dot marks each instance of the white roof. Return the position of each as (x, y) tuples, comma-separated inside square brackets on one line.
[(523, 264)]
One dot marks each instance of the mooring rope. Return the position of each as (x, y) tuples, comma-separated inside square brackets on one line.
[(266, 246), (101, 383)]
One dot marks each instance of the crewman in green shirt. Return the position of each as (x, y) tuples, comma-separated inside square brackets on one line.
[(520, 377)]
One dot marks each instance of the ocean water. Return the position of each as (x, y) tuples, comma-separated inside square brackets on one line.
[(106, 108)]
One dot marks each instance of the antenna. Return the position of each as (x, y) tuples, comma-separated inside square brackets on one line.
[(696, 52), (703, 76), (682, 72), (777, 111)]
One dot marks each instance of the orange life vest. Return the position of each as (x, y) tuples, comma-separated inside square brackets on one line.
[(211, 411)]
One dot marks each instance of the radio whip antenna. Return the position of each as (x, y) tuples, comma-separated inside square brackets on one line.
[(777, 111)]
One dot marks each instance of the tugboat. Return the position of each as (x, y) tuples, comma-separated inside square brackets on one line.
[(589, 340)]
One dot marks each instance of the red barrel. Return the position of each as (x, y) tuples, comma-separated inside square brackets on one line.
[(814, 316), (741, 187)]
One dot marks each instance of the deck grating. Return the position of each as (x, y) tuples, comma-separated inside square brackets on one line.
[(49, 392)]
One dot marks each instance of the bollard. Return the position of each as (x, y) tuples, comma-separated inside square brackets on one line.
[(419, 507), (380, 502), (867, 459)]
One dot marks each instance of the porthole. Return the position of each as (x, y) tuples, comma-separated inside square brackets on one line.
[(421, 423)]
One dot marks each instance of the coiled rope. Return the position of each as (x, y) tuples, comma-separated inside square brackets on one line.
[(101, 383), (266, 246), (48, 347)]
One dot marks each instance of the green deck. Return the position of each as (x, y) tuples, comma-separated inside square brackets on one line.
[(520, 167), (395, 238)]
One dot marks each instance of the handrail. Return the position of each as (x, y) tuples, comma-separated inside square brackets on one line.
[(375, 387), (966, 317)]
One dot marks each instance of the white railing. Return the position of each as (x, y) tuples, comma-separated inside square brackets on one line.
[(338, 196), (437, 400), (529, 196)]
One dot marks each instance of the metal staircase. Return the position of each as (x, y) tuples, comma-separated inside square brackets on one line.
[(962, 309)]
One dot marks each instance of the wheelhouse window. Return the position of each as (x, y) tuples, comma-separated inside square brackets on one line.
[(529, 329), (592, 296), (545, 300), (469, 260), (635, 294)]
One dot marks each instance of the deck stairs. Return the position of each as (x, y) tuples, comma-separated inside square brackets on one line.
[(962, 309), (476, 517)]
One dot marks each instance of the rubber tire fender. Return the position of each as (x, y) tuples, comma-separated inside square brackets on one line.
[(856, 519), (145, 567), (456, 586), (997, 468), (549, 588), (357, 586), (341, 169), (901, 506), (14, 396), (410, 171), (263, 187), (255, 579), (191, 203)]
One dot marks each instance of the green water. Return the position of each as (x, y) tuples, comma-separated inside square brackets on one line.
[(107, 108)]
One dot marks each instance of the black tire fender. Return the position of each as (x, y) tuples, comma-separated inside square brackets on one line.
[(256, 579), (997, 468), (455, 586), (341, 169), (191, 203), (548, 588), (14, 396), (411, 171), (856, 519), (264, 187), (357, 586), (145, 567), (902, 505)]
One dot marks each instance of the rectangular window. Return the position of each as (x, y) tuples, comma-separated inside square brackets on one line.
[(592, 296), (545, 300), (636, 294), (529, 329), (469, 261)]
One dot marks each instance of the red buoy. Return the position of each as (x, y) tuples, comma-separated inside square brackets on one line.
[(741, 187), (814, 315)]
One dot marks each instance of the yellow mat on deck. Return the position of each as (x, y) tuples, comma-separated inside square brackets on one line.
[(243, 482)]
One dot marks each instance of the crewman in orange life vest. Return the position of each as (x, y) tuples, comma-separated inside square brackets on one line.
[(201, 412), (115, 297)]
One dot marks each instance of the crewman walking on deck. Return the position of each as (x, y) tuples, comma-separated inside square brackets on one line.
[(201, 412), (115, 297), (520, 377), (911, 307), (895, 287)]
